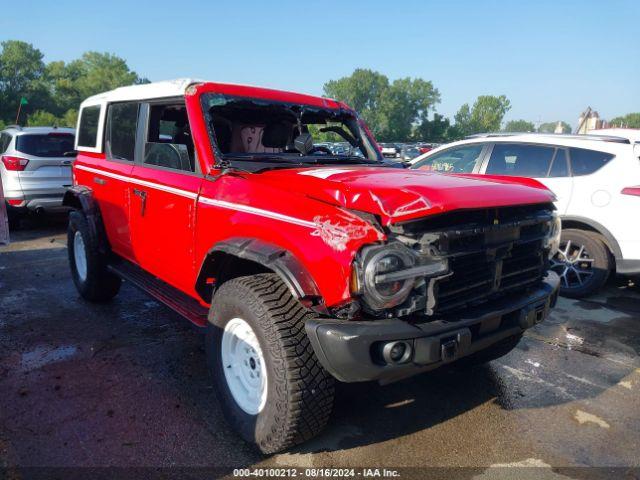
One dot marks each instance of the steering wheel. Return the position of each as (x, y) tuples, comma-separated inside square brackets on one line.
[(318, 149)]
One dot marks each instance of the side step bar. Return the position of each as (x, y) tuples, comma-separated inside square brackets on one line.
[(173, 298)]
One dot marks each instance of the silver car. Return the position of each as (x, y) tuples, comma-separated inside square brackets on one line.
[(35, 166)]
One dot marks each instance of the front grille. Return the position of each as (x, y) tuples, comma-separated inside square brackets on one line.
[(491, 253)]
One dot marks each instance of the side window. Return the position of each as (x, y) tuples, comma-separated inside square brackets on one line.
[(169, 143), (122, 121), (461, 159), (559, 166), (520, 160), (5, 140), (88, 132), (584, 162)]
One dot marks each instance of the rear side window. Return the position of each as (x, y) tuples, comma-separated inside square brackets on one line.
[(88, 131), (122, 121), (584, 162), (45, 145), (559, 166), (461, 159), (520, 160)]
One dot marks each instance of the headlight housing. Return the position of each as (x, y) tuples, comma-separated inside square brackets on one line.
[(552, 239), (385, 275)]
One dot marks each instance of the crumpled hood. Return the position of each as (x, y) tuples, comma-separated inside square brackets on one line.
[(398, 195)]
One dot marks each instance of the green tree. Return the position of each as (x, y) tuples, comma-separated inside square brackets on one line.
[(93, 73), (40, 118), (70, 118), (519, 126), (361, 91), (21, 72), (436, 130), (630, 120), (485, 116), (391, 109), (550, 127)]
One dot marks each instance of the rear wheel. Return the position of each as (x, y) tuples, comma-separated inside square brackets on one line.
[(88, 265), (271, 387), (583, 263)]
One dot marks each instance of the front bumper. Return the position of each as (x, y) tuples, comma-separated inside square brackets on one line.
[(349, 350)]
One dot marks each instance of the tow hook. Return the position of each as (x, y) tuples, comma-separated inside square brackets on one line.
[(449, 351)]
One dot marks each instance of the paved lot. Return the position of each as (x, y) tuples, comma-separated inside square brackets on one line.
[(125, 384)]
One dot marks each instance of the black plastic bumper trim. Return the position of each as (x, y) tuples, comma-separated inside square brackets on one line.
[(347, 348)]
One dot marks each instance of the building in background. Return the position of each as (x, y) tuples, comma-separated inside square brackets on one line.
[(590, 120)]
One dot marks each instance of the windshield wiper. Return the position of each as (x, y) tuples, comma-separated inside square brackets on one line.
[(262, 158), (344, 159)]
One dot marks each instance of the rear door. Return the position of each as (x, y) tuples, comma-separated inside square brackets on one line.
[(545, 163), (48, 171), (164, 188)]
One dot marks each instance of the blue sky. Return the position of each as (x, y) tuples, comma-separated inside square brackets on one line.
[(551, 58)]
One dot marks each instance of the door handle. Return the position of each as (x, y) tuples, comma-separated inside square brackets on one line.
[(143, 197), (99, 181)]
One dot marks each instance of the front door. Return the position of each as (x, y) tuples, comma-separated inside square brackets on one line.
[(164, 188)]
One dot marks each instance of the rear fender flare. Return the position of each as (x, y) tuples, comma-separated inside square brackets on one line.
[(80, 197)]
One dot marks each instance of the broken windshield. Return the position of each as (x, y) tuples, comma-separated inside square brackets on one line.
[(259, 133)]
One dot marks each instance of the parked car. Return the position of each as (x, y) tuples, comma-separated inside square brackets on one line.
[(409, 152), (302, 266), (35, 168), (391, 150), (596, 179)]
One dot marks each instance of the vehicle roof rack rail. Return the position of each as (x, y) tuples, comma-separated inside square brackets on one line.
[(586, 136), (17, 127)]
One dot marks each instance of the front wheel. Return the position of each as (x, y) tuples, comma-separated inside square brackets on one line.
[(270, 384), (88, 265), (583, 263)]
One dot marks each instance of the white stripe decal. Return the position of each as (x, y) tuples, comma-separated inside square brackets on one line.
[(258, 211), (144, 183), (205, 200)]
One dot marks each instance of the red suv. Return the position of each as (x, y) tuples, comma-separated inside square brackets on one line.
[(302, 266)]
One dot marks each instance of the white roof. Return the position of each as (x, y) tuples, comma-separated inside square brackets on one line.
[(631, 134), (562, 140), (163, 89)]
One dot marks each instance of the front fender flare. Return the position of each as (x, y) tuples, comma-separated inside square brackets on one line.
[(271, 257)]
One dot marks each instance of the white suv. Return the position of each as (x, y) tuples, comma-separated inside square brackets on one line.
[(35, 167), (596, 179)]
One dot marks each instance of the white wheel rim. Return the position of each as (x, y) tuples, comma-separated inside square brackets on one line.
[(80, 256), (244, 367)]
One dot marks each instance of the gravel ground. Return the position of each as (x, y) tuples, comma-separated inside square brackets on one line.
[(124, 385)]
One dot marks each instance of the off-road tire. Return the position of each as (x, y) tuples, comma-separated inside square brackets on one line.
[(602, 262), (495, 351), (100, 285), (299, 390)]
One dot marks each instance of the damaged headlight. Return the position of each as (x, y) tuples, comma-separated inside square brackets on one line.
[(386, 274), (552, 239)]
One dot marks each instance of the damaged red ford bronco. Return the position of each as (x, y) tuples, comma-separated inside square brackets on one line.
[(303, 265)]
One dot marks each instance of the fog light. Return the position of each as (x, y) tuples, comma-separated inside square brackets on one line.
[(396, 352)]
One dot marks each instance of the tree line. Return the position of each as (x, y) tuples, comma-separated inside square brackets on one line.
[(400, 110), (50, 93)]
